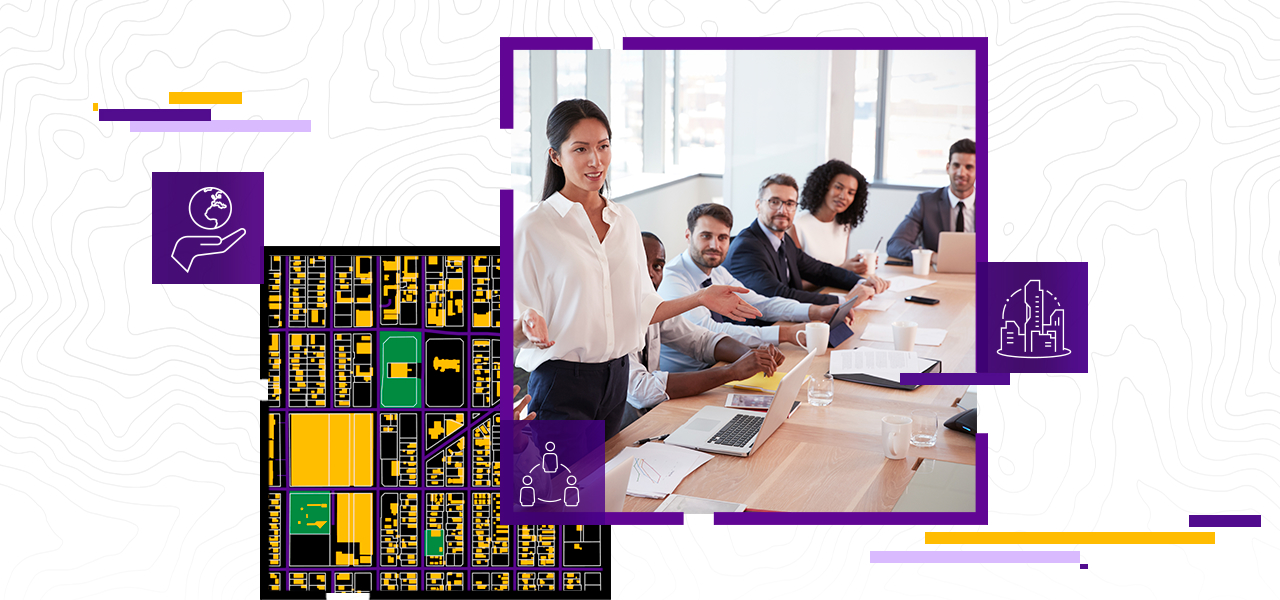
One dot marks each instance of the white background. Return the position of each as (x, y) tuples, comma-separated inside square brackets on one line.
[(1142, 138)]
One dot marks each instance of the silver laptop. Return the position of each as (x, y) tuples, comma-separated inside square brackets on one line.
[(740, 432), (955, 252), (615, 486)]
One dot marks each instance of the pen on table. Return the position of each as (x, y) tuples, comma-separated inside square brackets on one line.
[(652, 439)]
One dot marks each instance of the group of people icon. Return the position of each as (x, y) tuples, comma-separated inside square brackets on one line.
[(550, 466)]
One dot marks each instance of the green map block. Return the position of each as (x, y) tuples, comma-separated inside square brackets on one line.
[(309, 512), (400, 363), (435, 542)]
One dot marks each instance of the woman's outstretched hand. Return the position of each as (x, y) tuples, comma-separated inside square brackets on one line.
[(724, 299), (534, 328)]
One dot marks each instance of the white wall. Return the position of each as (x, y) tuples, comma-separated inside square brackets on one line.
[(662, 211), (776, 121), (885, 209)]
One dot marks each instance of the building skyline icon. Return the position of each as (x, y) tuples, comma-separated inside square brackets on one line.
[(1026, 331)]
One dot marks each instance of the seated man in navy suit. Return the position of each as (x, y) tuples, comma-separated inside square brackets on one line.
[(944, 209), (767, 261)]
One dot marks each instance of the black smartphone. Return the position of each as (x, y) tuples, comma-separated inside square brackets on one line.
[(897, 263), (921, 300)]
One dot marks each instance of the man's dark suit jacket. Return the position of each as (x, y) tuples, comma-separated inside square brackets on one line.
[(929, 216), (757, 265)]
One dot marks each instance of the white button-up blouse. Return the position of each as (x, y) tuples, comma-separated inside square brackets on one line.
[(596, 296)]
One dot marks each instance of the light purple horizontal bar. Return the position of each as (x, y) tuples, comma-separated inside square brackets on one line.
[(249, 125), (975, 556)]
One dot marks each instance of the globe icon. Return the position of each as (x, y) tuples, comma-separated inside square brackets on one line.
[(209, 208)]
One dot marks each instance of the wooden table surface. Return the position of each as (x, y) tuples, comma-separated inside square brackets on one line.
[(830, 458)]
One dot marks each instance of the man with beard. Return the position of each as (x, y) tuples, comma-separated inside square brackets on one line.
[(768, 262), (707, 232), (947, 208), (648, 384)]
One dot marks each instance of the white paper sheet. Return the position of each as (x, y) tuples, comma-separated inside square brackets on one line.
[(881, 302), (904, 283), (925, 336), (658, 468), (885, 364)]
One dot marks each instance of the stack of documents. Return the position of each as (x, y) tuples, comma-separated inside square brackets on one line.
[(657, 469), (885, 364), (877, 332)]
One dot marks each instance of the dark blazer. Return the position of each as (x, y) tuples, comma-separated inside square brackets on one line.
[(929, 216), (757, 265)]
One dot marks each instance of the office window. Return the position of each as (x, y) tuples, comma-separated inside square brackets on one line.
[(931, 104), (626, 113), (571, 74), (866, 81), (521, 169), (700, 96), (668, 109)]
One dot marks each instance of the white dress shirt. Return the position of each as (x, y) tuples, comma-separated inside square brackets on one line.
[(646, 385), (827, 242), (596, 296), (682, 277), (968, 209)]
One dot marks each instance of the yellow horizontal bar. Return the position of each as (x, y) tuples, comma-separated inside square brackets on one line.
[(205, 97), (1068, 537)]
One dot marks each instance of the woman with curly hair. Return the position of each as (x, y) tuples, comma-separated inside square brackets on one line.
[(833, 202)]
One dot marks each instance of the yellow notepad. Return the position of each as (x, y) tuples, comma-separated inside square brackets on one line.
[(759, 382)]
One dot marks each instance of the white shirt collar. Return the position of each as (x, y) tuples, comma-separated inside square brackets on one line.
[(564, 205), (968, 202), (774, 238)]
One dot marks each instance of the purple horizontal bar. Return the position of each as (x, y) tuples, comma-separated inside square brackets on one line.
[(593, 518), (955, 379), (802, 43), (155, 114), (221, 126), (975, 556), (1225, 521), (507, 68)]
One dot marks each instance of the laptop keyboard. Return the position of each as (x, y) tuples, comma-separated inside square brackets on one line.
[(738, 431)]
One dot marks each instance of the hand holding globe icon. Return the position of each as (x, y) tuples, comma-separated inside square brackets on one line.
[(210, 209)]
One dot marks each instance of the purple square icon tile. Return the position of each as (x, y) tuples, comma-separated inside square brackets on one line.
[(1037, 317), (206, 227), (559, 472)]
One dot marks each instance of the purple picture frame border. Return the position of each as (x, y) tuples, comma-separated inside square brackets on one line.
[(506, 120)]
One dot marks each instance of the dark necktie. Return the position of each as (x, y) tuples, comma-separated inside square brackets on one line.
[(786, 265), (644, 353), (960, 218), (717, 317)]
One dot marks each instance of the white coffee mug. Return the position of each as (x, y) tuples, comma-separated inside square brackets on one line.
[(814, 337), (920, 260), (895, 431), (871, 259), (904, 335)]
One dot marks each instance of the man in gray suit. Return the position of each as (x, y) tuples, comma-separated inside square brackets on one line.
[(944, 209)]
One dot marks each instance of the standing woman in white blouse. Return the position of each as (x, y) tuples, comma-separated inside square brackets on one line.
[(833, 202), (583, 293)]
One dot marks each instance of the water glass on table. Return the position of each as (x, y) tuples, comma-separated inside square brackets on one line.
[(822, 389), (924, 428)]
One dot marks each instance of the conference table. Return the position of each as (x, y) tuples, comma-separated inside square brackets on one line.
[(830, 458)]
